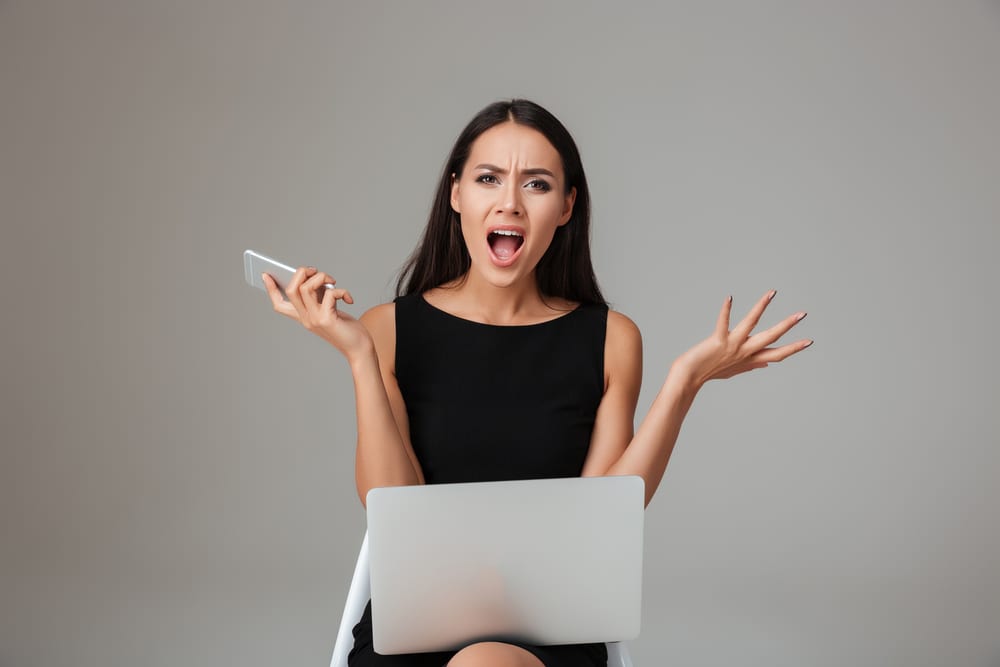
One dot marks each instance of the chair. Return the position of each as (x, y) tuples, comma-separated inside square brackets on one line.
[(359, 594)]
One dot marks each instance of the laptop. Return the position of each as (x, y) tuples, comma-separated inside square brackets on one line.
[(554, 561)]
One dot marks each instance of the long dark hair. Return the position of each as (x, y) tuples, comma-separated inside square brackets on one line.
[(564, 271)]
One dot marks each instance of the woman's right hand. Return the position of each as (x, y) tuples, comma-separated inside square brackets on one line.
[(321, 317)]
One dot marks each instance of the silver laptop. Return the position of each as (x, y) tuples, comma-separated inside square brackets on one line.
[(555, 561)]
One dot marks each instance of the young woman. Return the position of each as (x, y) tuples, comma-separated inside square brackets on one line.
[(499, 358)]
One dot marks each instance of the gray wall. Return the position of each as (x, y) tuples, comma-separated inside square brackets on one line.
[(176, 481)]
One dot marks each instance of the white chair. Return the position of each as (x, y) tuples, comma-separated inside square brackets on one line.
[(361, 591)]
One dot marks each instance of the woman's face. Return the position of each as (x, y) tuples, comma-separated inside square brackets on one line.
[(511, 197)]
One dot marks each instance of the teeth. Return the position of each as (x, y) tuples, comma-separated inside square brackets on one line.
[(506, 232)]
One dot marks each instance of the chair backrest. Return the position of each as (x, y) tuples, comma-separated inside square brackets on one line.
[(361, 591), (357, 597)]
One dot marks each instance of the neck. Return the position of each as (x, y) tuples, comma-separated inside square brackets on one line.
[(481, 301)]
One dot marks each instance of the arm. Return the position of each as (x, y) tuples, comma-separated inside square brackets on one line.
[(613, 424), (614, 449), (384, 454), (648, 452)]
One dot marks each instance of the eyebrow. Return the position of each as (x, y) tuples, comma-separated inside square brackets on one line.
[(533, 171)]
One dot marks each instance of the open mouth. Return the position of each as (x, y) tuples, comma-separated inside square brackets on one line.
[(505, 243)]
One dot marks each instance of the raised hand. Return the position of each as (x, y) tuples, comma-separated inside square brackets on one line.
[(320, 315), (730, 352)]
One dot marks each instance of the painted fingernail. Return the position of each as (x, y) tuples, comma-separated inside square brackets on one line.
[(800, 317)]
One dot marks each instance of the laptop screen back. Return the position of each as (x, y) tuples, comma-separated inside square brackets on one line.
[(555, 561)]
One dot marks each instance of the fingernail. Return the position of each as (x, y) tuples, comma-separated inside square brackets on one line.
[(730, 298), (771, 295), (800, 317), (807, 345)]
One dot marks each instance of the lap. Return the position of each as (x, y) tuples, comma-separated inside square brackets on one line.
[(570, 655)]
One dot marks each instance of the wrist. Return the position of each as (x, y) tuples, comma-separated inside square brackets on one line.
[(363, 358), (683, 377)]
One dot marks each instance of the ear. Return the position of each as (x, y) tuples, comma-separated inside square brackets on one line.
[(568, 207), (454, 194)]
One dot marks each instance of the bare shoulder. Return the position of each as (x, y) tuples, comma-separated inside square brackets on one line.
[(622, 353), (380, 318), (381, 324), (622, 331)]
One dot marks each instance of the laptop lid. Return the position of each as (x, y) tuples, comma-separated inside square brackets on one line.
[(556, 561)]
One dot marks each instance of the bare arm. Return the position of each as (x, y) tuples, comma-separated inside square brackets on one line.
[(384, 454), (614, 449), (613, 425), (648, 452)]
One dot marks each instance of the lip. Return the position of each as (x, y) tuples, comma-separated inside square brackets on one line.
[(505, 228)]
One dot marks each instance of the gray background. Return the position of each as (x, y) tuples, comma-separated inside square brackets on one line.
[(176, 480)]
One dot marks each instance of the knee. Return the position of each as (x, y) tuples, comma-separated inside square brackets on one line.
[(493, 654)]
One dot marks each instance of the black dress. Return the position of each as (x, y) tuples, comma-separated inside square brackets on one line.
[(489, 403)]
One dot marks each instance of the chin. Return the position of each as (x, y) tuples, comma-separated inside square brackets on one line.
[(503, 281), (500, 277)]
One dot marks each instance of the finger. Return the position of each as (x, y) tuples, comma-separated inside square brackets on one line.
[(329, 300), (301, 274), (311, 291), (316, 281), (742, 368), (271, 288), (747, 324), (772, 355), (769, 336), (277, 300), (292, 290), (330, 296), (722, 324)]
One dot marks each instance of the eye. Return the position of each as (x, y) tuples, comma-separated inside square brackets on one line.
[(487, 178), (539, 184)]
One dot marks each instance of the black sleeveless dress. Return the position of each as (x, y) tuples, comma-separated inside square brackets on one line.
[(489, 403)]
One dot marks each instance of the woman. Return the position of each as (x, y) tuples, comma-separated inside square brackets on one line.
[(499, 358)]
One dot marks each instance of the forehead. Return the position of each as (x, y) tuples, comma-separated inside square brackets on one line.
[(510, 144)]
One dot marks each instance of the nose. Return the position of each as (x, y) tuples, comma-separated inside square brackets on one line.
[(510, 199)]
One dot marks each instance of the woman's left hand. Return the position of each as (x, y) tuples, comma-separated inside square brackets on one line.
[(727, 353)]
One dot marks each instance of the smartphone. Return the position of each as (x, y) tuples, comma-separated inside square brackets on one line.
[(255, 264)]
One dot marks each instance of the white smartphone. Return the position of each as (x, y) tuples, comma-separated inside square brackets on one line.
[(255, 264)]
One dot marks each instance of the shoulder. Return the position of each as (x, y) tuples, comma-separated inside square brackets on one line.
[(380, 317), (622, 330), (380, 322), (622, 351)]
